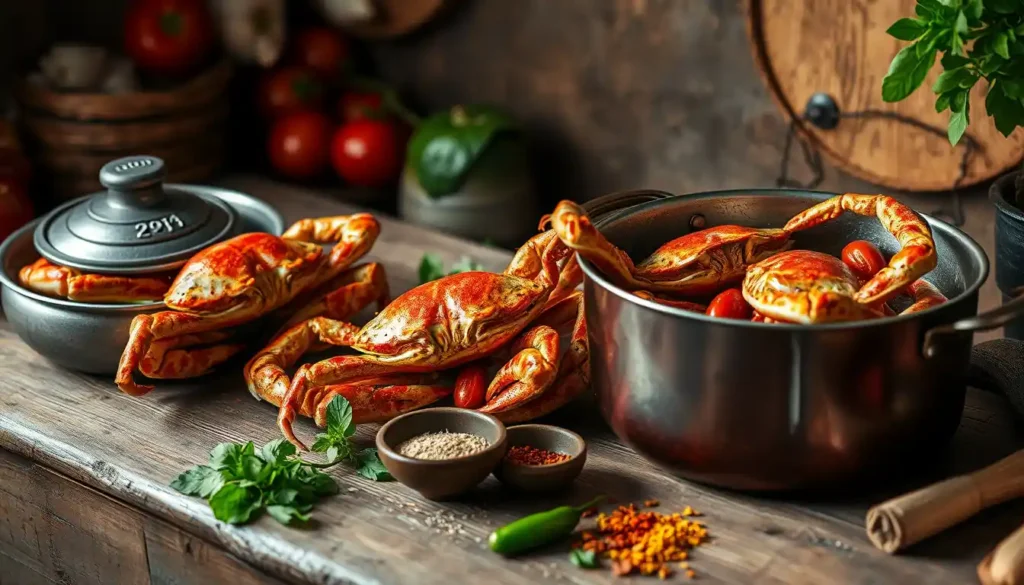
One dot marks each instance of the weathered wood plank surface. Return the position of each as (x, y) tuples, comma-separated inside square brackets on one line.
[(129, 448)]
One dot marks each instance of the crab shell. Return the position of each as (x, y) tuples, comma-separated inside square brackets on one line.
[(451, 321), (802, 286)]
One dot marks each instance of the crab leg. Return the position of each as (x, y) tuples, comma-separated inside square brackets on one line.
[(528, 374), (925, 296), (352, 236), (53, 280), (383, 399), (570, 222), (915, 258), (572, 380), (348, 294), (684, 305), (165, 358)]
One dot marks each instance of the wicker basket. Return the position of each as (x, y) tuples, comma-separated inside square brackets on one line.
[(70, 136)]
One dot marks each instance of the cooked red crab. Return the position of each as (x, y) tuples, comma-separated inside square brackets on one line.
[(803, 286), (58, 281), (232, 283), (455, 321), (699, 263)]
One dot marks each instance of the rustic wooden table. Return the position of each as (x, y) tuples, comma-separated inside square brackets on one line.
[(84, 498)]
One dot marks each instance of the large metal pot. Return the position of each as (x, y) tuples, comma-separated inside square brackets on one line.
[(759, 406), (89, 337)]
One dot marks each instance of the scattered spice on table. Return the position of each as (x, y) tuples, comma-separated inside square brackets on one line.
[(644, 542), (527, 455), (651, 504), (442, 445)]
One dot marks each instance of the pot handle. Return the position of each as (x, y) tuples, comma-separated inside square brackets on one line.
[(606, 204), (983, 322)]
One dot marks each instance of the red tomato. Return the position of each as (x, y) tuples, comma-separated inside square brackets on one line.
[(471, 387), (360, 105), (170, 37), (289, 90), (368, 153), (323, 50), (298, 144), (15, 206), (730, 304), (863, 258)]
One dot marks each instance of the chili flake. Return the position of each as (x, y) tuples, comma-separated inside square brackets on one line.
[(526, 455), (644, 542), (651, 503)]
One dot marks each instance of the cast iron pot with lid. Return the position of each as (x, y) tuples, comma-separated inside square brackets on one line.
[(759, 406), (139, 225)]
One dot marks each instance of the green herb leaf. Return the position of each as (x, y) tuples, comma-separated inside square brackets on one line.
[(226, 456), (1006, 112), (957, 126), (323, 484), (321, 444), (953, 62), (973, 10), (1002, 6), (285, 496), (371, 467), (907, 29), (906, 74), (1001, 45), (277, 451), (339, 418), (287, 514), (431, 268), (951, 79), (942, 103), (958, 101), (201, 480), (252, 467), (234, 504), (584, 559)]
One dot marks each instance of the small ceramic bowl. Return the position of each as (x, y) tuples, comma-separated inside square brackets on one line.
[(540, 478), (446, 478)]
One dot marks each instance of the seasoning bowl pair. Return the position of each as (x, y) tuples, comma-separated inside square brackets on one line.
[(443, 478)]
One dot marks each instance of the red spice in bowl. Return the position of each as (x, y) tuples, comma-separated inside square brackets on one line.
[(527, 455)]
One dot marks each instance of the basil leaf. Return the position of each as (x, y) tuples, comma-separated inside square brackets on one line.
[(1006, 112), (1001, 45), (958, 101), (431, 268), (277, 451), (286, 514), (906, 74), (957, 126), (942, 103), (584, 559), (953, 62), (1002, 6), (1013, 89), (371, 467), (201, 480), (339, 418), (234, 504), (951, 79), (973, 10), (907, 29)]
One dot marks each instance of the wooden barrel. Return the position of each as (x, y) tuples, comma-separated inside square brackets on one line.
[(70, 136)]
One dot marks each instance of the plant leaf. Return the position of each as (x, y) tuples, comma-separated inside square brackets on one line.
[(1002, 6), (958, 101), (234, 504), (339, 418), (252, 467), (286, 514), (973, 10), (226, 456), (907, 29), (906, 74), (942, 103), (431, 268), (957, 126), (584, 559), (1006, 112), (201, 480), (1001, 45), (277, 451), (371, 467), (951, 79), (953, 62)]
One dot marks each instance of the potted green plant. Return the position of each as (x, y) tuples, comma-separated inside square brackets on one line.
[(978, 41), (467, 172)]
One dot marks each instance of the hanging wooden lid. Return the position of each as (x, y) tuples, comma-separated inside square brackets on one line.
[(841, 48)]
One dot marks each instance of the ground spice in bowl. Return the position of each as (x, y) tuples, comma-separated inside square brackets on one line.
[(527, 455), (442, 445)]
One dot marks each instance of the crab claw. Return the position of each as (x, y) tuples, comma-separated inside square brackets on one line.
[(925, 296), (383, 399), (917, 254), (528, 374), (569, 220)]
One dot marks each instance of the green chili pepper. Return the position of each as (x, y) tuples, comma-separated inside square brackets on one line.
[(538, 529)]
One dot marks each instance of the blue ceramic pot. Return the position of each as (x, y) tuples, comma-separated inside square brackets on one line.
[(1009, 245)]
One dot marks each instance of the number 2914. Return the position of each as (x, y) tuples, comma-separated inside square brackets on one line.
[(148, 229)]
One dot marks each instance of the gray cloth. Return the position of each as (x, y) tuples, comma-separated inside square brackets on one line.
[(998, 366)]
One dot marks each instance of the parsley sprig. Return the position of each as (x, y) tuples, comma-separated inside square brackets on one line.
[(978, 39), (240, 482)]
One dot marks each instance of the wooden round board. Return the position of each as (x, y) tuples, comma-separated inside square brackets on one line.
[(397, 17), (840, 47)]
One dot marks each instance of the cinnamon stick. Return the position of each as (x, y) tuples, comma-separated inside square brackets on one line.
[(1005, 564), (911, 518)]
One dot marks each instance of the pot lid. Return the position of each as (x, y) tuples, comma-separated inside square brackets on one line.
[(803, 50), (136, 226)]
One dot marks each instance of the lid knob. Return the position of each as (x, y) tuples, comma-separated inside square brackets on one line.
[(134, 181)]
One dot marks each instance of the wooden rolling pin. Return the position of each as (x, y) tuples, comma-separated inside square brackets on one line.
[(1005, 564), (911, 518)]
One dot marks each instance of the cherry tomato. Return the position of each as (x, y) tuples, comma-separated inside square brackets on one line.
[(298, 144), (289, 90), (169, 37), (368, 153), (322, 49), (730, 304), (471, 387), (360, 105), (863, 258)]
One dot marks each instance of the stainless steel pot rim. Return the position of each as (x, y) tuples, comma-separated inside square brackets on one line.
[(936, 224)]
